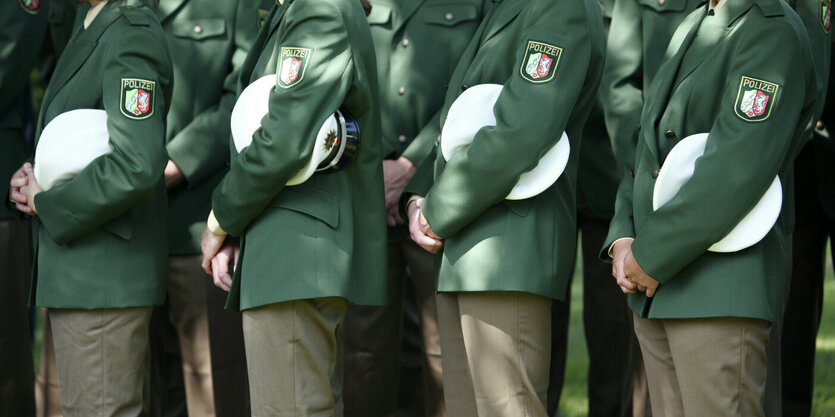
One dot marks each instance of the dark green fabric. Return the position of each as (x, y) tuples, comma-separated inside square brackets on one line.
[(327, 236), (101, 235), (22, 33), (763, 39), (493, 244), (210, 40), (417, 44)]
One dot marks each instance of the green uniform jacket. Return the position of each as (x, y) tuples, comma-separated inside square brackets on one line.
[(101, 235), (493, 244), (598, 174), (418, 44), (327, 236), (210, 39), (638, 38), (22, 31), (749, 45)]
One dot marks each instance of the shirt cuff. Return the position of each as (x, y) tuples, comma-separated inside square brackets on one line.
[(612, 246), (213, 225)]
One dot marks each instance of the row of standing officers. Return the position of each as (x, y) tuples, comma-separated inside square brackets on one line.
[(216, 49)]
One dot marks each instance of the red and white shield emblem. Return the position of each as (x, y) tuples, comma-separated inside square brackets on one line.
[(290, 70), (754, 103)]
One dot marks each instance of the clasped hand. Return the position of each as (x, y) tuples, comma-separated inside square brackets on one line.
[(628, 274), (218, 253), (419, 229), (23, 188)]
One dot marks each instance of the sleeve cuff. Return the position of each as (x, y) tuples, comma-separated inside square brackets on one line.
[(612, 246), (213, 224)]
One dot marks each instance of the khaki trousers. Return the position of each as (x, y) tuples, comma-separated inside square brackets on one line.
[(707, 367), (101, 357), (497, 353), (16, 375), (293, 351), (373, 338), (47, 389)]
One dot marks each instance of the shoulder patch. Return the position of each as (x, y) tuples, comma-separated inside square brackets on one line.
[(826, 15), (137, 98), (539, 61), (30, 6), (292, 65), (754, 99), (136, 17)]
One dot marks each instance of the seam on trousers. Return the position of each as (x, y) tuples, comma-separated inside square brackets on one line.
[(101, 363), (519, 347), (295, 362)]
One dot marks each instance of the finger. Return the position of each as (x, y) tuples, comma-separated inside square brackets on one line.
[(26, 165), (429, 244), (397, 219), (220, 268), (18, 197), (650, 292), (19, 181), (626, 290), (23, 208), (206, 264), (641, 288), (390, 220)]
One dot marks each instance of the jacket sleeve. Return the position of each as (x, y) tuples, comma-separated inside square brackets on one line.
[(284, 142), (202, 147), (741, 156), (529, 120), (622, 85), (128, 175), (622, 224)]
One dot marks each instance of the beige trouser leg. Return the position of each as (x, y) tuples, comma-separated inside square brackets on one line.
[(100, 355), (294, 358), (187, 301), (507, 340), (47, 392), (705, 367)]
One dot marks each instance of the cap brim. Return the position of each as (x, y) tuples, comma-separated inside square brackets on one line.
[(679, 167), (472, 111), (68, 143)]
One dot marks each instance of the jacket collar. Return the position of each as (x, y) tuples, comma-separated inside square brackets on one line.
[(77, 52), (168, 7), (504, 13), (405, 10)]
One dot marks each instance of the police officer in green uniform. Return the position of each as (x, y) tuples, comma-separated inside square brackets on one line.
[(814, 182), (503, 261), (308, 249), (417, 46), (638, 36), (704, 329), (211, 40), (100, 250), (22, 28)]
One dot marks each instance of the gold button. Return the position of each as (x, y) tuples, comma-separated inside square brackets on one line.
[(669, 133), (404, 42), (401, 90), (654, 173), (464, 87), (660, 2), (401, 138), (449, 16), (198, 29)]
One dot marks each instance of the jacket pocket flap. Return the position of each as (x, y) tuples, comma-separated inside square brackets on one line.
[(449, 14), (380, 15), (120, 226), (199, 28), (317, 203)]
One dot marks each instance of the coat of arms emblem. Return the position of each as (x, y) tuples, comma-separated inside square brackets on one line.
[(31, 6), (137, 98), (540, 61), (826, 15), (293, 62), (755, 98)]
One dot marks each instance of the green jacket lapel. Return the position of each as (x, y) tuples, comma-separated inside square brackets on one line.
[(662, 86), (167, 7), (76, 54), (505, 13), (272, 22)]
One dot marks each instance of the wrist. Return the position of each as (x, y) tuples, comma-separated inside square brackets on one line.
[(213, 225)]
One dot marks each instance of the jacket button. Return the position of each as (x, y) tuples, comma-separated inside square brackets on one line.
[(449, 16), (401, 138), (654, 173), (660, 2), (669, 133), (198, 29), (632, 173), (404, 42), (401, 90), (464, 87), (638, 126)]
